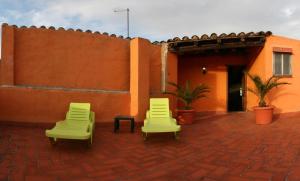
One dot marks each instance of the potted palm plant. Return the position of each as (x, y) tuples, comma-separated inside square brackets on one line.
[(187, 96), (264, 112)]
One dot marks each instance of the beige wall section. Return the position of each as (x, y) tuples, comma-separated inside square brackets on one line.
[(285, 98)]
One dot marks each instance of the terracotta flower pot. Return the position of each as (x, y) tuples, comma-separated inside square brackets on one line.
[(186, 116), (263, 115)]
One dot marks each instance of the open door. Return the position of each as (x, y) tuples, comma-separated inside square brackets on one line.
[(235, 98)]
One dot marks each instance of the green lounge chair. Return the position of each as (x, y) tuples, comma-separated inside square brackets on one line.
[(159, 118), (78, 125)]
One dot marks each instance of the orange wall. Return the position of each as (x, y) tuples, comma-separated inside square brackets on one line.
[(34, 105), (285, 98), (190, 67), (7, 56), (139, 77), (155, 69), (70, 59), (43, 70), (257, 68), (117, 76), (146, 72), (156, 74), (172, 67)]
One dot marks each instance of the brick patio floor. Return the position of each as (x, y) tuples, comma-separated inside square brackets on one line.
[(226, 147)]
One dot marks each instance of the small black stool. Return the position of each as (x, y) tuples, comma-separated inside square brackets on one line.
[(129, 118)]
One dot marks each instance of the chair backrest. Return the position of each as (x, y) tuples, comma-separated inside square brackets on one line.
[(159, 108), (79, 112)]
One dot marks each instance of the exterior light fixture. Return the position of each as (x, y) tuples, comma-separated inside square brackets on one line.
[(204, 70)]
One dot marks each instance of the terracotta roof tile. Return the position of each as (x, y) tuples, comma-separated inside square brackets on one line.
[(63, 29), (222, 35), (202, 43)]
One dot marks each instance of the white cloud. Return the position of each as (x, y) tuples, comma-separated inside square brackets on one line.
[(289, 11), (160, 20)]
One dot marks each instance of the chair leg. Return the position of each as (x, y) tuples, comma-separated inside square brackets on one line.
[(116, 125), (92, 135), (53, 141), (89, 142), (176, 135), (91, 139), (132, 125), (145, 136)]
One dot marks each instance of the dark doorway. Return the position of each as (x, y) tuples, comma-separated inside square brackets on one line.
[(235, 88)]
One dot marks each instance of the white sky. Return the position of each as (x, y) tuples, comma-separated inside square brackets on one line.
[(158, 19)]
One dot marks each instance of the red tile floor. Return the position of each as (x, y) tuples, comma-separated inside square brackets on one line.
[(225, 147)]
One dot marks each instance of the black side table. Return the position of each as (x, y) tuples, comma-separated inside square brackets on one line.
[(128, 118)]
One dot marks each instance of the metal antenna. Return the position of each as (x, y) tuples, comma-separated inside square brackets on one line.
[(127, 12)]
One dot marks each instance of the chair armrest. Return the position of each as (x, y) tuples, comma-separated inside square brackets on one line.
[(171, 114), (59, 122), (67, 115), (148, 114), (92, 119), (92, 116), (174, 120), (145, 122)]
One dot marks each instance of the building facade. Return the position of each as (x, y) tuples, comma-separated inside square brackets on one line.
[(43, 69)]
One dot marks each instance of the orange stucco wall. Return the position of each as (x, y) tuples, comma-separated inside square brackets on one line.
[(257, 68), (7, 56), (172, 76), (43, 70), (260, 62), (36, 105), (70, 59), (189, 68), (155, 69), (156, 74), (146, 76), (285, 98), (139, 77)]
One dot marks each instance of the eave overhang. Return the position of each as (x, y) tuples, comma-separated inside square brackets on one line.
[(223, 42)]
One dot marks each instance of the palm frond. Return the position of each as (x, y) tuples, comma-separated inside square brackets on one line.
[(171, 93), (200, 90), (186, 94), (275, 84), (201, 96), (272, 79), (253, 91), (263, 88), (173, 84)]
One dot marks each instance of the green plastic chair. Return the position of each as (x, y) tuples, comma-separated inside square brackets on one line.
[(159, 118), (79, 124)]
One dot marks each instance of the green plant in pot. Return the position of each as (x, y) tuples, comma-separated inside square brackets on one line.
[(264, 112), (187, 96)]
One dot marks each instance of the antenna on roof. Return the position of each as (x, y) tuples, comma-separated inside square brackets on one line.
[(127, 13)]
